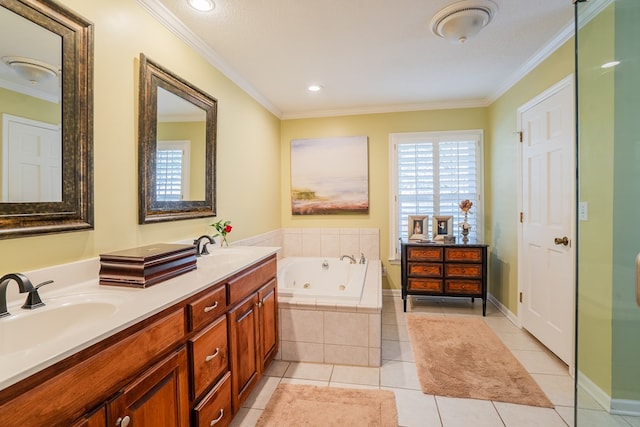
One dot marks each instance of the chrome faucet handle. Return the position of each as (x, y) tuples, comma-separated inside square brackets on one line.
[(363, 260), (33, 298)]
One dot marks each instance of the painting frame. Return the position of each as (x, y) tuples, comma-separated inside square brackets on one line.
[(442, 226), (415, 221), (330, 176)]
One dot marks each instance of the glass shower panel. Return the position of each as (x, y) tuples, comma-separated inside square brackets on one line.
[(608, 316)]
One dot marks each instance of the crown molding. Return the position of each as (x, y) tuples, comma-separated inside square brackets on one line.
[(381, 109), (177, 27)]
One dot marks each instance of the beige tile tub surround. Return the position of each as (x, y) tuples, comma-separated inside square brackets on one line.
[(329, 332)]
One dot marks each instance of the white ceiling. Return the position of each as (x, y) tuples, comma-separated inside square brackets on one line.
[(369, 55)]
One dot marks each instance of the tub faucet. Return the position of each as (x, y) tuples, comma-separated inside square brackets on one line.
[(202, 250), (363, 260), (23, 283), (352, 259)]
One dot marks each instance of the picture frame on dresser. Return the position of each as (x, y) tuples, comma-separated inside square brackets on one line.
[(442, 226), (418, 227)]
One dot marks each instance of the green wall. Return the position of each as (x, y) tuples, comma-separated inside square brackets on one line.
[(595, 163), (626, 204)]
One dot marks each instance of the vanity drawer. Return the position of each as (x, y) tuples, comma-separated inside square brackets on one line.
[(425, 270), (206, 309), (464, 287), (463, 270), (209, 355), (463, 254), (424, 253), (425, 285), (249, 282), (215, 407)]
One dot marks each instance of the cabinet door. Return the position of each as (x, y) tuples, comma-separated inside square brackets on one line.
[(97, 419), (244, 342), (157, 398), (268, 303)]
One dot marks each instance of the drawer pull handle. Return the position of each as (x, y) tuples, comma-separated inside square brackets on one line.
[(213, 356), (211, 307), (123, 422), (217, 420)]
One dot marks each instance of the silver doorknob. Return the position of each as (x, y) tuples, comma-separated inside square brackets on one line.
[(123, 421), (561, 240)]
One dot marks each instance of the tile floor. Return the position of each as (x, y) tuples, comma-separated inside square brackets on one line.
[(415, 409)]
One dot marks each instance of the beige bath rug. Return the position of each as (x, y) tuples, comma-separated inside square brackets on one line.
[(308, 405), (462, 357)]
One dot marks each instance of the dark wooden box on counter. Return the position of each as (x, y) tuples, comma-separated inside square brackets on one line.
[(146, 265)]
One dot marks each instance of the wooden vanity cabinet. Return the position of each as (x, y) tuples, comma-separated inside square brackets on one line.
[(192, 364), (268, 321), (96, 419), (158, 397)]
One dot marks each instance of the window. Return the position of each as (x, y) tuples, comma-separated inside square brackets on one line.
[(172, 171), (431, 173)]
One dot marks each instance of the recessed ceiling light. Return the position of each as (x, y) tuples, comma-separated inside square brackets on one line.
[(610, 64), (202, 5), (314, 88)]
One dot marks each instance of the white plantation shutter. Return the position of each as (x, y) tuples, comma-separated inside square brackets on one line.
[(172, 166), (433, 172)]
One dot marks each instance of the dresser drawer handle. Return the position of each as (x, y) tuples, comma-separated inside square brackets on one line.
[(211, 307), (213, 356), (217, 420)]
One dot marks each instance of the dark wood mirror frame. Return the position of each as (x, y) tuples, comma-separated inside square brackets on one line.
[(153, 76), (75, 211)]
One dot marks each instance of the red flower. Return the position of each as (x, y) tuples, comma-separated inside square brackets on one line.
[(227, 229)]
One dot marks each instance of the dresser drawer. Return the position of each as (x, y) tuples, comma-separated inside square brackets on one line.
[(425, 285), (424, 253), (204, 310), (209, 355), (463, 254), (463, 287), (215, 407), (463, 270), (424, 270)]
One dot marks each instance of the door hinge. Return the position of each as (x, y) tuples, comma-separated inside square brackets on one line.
[(520, 135), (521, 217), (521, 297)]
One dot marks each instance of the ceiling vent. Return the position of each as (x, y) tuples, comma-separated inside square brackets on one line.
[(463, 20)]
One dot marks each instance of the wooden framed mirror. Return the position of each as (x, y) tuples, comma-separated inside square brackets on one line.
[(46, 104), (177, 147)]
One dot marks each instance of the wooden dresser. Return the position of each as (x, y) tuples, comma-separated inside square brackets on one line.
[(445, 269)]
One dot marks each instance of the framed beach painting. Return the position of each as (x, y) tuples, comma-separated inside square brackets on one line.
[(330, 176)]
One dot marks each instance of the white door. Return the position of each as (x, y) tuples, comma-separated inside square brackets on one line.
[(547, 258), (32, 161)]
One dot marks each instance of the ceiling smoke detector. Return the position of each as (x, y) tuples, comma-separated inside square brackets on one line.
[(463, 20)]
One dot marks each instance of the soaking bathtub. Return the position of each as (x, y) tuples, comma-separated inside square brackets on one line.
[(330, 311), (328, 279)]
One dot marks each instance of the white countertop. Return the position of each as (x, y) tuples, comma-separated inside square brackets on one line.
[(24, 355)]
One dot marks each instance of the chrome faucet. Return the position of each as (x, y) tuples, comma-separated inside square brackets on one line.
[(363, 260), (352, 260), (202, 250), (24, 284)]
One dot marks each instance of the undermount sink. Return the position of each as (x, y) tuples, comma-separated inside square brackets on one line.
[(59, 318), (226, 254)]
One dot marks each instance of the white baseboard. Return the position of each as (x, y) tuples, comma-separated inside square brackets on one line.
[(503, 309), (593, 390), (625, 407), (396, 293)]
